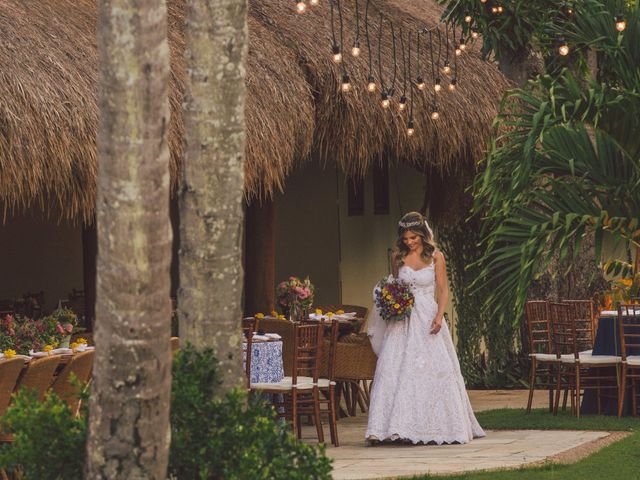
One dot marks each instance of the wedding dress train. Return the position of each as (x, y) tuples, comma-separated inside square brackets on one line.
[(418, 393)]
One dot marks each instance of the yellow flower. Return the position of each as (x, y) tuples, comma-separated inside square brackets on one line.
[(9, 352), (388, 297), (81, 340), (47, 348), (626, 281), (318, 311), (73, 347), (396, 306), (340, 312), (329, 314), (274, 313), (259, 315), (281, 317)]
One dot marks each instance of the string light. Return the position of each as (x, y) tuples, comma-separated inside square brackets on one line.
[(494, 10), (474, 33), (346, 83), (447, 67), (402, 104), (435, 115), (420, 83), (483, 1), (458, 50), (315, 3), (371, 85), (301, 7), (468, 19), (355, 50), (410, 129), (452, 84), (337, 55), (462, 45), (437, 86), (621, 23), (500, 9), (563, 49), (384, 100)]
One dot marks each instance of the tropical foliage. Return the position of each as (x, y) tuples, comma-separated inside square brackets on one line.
[(566, 161)]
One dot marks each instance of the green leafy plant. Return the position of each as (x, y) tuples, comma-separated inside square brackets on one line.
[(228, 437), (49, 443)]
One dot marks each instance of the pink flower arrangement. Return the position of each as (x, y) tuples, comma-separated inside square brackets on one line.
[(295, 292)]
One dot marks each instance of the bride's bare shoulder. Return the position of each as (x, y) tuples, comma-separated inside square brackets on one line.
[(438, 256)]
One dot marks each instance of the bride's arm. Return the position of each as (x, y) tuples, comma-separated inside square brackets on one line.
[(442, 292)]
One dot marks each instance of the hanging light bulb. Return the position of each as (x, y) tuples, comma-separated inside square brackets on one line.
[(621, 23), (301, 7), (474, 33), (315, 3), (447, 67), (483, 1), (410, 129), (435, 115), (402, 104), (355, 50), (346, 83), (337, 55), (420, 83), (452, 84), (437, 86), (563, 49), (500, 9), (457, 50), (494, 10), (384, 100), (468, 19), (371, 84), (463, 45)]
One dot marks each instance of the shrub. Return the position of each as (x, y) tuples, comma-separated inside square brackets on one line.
[(49, 443), (230, 437)]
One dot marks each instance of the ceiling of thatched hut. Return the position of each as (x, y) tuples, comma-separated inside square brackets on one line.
[(48, 112)]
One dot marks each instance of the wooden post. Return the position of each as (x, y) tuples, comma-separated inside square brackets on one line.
[(260, 257)]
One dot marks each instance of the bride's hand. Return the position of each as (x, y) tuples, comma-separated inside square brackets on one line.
[(436, 326)]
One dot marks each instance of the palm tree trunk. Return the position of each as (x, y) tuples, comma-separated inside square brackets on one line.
[(129, 408), (211, 202)]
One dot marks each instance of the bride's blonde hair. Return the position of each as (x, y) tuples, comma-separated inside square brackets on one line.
[(416, 223)]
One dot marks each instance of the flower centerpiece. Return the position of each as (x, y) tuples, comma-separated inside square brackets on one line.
[(393, 299), (294, 297), (23, 334), (624, 290)]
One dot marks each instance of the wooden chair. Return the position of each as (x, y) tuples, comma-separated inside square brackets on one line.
[(251, 322), (80, 366), (579, 369), (10, 370), (39, 375), (586, 321), (302, 394), (327, 382), (248, 332), (175, 345), (543, 361), (629, 331)]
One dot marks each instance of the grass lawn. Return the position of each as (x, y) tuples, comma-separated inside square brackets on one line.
[(620, 460)]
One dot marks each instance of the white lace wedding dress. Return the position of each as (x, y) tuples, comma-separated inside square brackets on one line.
[(418, 393)]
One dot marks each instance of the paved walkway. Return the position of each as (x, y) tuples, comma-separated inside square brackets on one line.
[(499, 449)]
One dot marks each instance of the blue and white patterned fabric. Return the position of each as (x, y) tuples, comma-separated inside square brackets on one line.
[(266, 362)]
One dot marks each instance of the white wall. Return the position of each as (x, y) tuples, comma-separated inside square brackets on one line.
[(37, 253)]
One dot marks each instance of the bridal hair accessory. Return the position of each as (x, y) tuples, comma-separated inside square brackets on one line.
[(416, 223)]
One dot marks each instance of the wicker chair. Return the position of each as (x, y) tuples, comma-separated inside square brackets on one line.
[(355, 366), (80, 365), (39, 375), (10, 370), (629, 332)]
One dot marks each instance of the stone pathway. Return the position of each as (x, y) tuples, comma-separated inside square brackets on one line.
[(499, 449)]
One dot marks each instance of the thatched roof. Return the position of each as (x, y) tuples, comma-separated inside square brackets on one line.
[(48, 112)]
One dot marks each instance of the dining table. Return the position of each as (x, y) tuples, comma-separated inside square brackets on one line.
[(607, 342), (266, 359)]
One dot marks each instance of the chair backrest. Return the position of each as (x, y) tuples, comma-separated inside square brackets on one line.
[(538, 326), (563, 329), (248, 351), (285, 329), (629, 330), (80, 366), (585, 318), (306, 351), (39, 375), (10, 370), (252, 323)]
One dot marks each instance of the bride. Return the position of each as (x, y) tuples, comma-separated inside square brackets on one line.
[(418, 393)]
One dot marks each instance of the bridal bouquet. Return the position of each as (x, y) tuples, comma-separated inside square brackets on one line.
[(393, 299)]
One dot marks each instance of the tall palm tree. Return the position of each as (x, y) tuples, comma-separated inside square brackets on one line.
[(567, 162), (211, 201), (129, 408)]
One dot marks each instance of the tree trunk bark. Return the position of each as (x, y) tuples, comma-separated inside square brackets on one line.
[(129, 407), (211, 209)]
